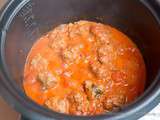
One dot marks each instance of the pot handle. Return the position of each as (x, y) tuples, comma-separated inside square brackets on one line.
[(153, 6)]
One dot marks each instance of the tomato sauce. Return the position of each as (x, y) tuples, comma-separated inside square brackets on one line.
[(84, 68)]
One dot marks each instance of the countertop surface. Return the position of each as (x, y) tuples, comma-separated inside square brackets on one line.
[(7, 113), (2, 2)]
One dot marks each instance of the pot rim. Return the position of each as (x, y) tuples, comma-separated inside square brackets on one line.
[(21, 103)]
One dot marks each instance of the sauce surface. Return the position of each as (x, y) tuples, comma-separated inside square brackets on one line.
[(84, 68)]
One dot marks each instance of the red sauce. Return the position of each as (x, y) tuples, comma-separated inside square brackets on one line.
[(85, 68)]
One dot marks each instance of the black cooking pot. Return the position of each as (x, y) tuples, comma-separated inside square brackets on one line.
[(23, 21)]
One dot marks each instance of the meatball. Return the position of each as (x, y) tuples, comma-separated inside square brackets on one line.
[(99, 70), (47, 79), (58, 104), (79, 105), (72, 53), (114, 102), (102, 33), (39, 63), (106, 54), (92, 90), (58, 38)]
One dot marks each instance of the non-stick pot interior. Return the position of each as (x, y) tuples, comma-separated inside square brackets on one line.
[(37, 17)]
